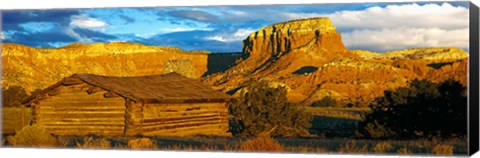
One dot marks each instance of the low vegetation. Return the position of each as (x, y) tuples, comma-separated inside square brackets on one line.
[(263, 109), (141, 143), (261, 144), (404, 151), (33, 136), (266, 144), (411, 112), (264, 121), (442, 150), (352, 147), (94, 142), (383, 147), (325, 102)]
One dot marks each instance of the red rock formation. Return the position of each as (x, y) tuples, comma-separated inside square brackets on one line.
[(278, 51)]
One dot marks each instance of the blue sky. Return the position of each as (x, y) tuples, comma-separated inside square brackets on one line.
[(371, 26)]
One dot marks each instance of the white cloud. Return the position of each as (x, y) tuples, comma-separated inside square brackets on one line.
[(84, 21), (444, 16), (400, 38), (400, 26), (2, 37), (238, 35), (72, 33)]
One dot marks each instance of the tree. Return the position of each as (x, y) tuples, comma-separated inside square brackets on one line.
[(424, 109), (265, 110), (13, 96)]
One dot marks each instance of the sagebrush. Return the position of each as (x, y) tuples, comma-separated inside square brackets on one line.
[(141, 143), (266, 109), (261, 144), (33, 136), (94, 142)]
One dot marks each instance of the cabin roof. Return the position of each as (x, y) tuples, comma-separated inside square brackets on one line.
[(165, 88)]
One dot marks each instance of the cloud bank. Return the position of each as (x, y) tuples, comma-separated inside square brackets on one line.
[(401, 26)]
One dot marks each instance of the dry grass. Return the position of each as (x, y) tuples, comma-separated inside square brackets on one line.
[(404, 151), (261, 144), (351, 147), (344, 113), (180, 147), (95, 143), (382, 147), (307, 149), (33, 136), (442, 150), (141, 143)]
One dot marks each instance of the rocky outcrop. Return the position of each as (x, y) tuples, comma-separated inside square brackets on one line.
[(183, 66), (281, 49), (309, 58), (429, 55), (35, 68), (319, 34)]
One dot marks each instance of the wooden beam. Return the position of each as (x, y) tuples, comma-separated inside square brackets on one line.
[(93, 89), (71, 81), (110, 95)]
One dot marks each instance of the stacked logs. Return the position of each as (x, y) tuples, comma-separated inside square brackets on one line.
[(76, 110)]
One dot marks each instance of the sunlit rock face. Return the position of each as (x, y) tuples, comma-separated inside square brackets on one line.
[(34, 68), (308, 57)]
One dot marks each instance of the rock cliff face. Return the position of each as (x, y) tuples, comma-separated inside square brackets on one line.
[(184, 67), (282, 49), (318, 34), (34, 68), (288, 46), (429, 55), (309, 58)]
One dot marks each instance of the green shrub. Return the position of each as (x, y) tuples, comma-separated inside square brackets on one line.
[(325, 102), (265, 110), (408, 112), (33, 136)]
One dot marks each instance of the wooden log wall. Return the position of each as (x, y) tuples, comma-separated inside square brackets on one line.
[(14, 119), (77, 110), (182, 119)]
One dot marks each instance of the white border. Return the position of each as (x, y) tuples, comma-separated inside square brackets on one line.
[(72, 153)]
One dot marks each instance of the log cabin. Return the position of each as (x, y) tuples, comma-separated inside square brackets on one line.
[(159, 105)]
